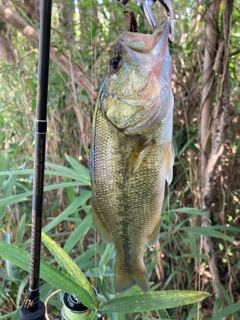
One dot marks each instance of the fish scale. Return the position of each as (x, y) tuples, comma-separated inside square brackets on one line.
[(131, 154)]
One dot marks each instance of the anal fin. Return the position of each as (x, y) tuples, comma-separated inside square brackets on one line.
[(153, 237), (168, 163)]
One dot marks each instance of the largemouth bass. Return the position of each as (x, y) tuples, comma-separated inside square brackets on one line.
[(131, 153)]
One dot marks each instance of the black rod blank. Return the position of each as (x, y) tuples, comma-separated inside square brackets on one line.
[(33, 308)]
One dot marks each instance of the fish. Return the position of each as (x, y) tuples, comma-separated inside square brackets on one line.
[(132, 155)]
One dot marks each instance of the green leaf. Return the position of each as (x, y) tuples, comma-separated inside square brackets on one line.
[(92, 315), (153, 301), (218, 303), (195, 255), (81, 175), (192, 312), (9, 268), (227, 228), (21, 229), (59, 171), (78, 233), (48, 274), (226, 311), (25, 195), (79, 201), (16, 315), (16, 172), (3, 293), (68, 265), (71, 195), (12, 315), (4, 166), (15, 199), (70, 192), (228, 301), (7, 191), (104, 259), (207, 231), (188, 144), (169, 279), (63, 185), (191, 211), (21, 287), (78, 167), (45, 290)]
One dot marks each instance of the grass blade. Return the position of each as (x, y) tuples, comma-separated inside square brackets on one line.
[(12, 315), (21, 229), (192, 312), (4, 166), (70, 173), (68, 265), (78, 167), (104, 259), (207, 231), (15, 199), (7, 191), (156, 300), (3, 293), (226, 311), (78, 202), (190, 211), (78, 233), (48, 273), (23, 196)]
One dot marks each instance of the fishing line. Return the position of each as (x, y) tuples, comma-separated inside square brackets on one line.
[(46, 303)]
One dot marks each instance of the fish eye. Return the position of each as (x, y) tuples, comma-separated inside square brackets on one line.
[(115, 62)]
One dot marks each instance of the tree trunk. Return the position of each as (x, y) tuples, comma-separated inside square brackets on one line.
[(211, 36), (219, 118)]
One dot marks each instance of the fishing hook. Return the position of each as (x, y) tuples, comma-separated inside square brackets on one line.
[(147, 8)]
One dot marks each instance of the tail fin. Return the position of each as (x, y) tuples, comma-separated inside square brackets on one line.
[(125, 280)]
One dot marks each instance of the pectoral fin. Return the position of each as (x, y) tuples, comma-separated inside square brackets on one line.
[(139, 152)]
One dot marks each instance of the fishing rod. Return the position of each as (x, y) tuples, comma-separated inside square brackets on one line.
[(33, 308)]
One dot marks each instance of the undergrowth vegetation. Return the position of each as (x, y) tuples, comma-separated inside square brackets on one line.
[(85, 32)]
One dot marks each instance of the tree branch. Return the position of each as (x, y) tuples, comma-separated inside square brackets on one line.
[(74, 72)]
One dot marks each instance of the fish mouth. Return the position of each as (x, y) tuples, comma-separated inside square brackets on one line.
[(146, 6)]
